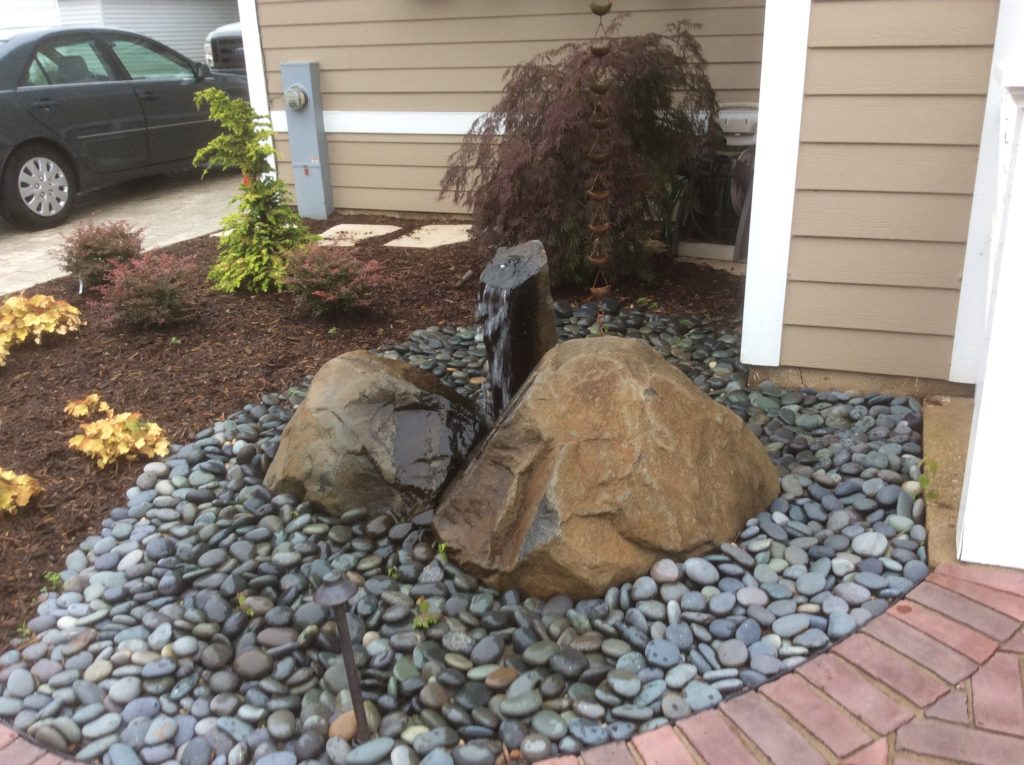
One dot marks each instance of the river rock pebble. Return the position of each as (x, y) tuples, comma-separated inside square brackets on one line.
[(186, 632)]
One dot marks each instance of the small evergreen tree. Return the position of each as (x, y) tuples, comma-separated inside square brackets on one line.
[(259, 234)]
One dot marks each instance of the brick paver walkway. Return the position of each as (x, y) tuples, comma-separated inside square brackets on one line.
[(936, 679)]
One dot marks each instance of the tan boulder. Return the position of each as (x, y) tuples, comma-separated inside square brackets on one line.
[(608, 459), (373, 433)]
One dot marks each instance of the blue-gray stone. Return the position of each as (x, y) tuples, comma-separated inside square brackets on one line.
[(700, 696), (790, 625), (371, 752)]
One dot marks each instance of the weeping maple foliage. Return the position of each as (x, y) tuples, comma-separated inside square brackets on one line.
[(523, 168)]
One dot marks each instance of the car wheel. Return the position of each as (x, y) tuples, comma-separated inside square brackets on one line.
[(38, 187)]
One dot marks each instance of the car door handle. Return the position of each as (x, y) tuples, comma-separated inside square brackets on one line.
[(148, 95), (44, 103)]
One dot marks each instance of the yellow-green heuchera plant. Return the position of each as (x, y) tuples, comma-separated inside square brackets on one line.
[(113, 436), (24, 317), (16, 490), (263, 229)]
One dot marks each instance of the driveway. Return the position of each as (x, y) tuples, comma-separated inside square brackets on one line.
[(169, 208)]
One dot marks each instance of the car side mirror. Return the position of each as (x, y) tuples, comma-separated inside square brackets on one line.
[(202, 71)]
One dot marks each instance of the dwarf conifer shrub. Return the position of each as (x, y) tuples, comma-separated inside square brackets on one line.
[(264, 228), (329, 281), (91, 250), (154, 290), (523, 168)]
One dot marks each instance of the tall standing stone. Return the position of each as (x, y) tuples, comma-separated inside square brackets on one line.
[(518, 317)]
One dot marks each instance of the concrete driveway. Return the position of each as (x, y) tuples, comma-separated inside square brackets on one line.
[(169, 208)]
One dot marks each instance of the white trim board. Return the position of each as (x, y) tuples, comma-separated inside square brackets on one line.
[(255, 66), (990, 527), (976, 285), (389, 123), (783, 65)]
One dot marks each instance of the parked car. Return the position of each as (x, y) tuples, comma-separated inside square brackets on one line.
[(224, 51), (85, 108)]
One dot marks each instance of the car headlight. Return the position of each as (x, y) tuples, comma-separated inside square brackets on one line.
[(208, 48)]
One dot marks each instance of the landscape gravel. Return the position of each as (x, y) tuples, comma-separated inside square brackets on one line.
[(185, 630)]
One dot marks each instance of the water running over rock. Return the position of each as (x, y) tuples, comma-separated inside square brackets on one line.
[(518, 318)]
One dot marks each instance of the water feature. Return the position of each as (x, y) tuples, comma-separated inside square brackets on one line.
[(518, 319)]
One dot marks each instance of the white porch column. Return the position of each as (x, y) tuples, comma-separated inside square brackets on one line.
[(783, 64), (990, 527)]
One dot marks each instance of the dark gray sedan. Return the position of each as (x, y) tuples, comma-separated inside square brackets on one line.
[(85, 108)]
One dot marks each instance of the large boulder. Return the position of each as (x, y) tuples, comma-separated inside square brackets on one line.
[(608, 459), (373, 433)]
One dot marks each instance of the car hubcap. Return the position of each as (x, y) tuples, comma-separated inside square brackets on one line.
[(43, 187)]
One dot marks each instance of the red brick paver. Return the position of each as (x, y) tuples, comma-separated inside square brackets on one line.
[(937, 738), (982, 618), (998, 696), (1005, 602), (876, 754), (715, 741), (609, 754), (856, 693), (926, 651), (762, 724), (827, 721), (952, 708), (1016, 643), (662, 746), (905, 677), (962, 638)]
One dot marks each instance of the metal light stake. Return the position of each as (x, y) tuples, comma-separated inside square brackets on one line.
[(334, 592)]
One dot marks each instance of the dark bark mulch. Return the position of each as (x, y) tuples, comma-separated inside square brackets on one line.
[(188, 376)]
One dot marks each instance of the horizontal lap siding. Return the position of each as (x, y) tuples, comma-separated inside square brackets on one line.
[(384, 172), (893, 104), (452, 56)]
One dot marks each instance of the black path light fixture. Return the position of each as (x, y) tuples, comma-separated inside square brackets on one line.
[(334, 592), (598, 191)]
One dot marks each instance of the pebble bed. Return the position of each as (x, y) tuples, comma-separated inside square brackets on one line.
[(186, 634)]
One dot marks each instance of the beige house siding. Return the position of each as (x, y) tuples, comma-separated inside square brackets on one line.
[(893, 104), (451, 56)]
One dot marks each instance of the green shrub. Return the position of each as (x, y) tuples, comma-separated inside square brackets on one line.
[(329, 281), (523, 168), (91, 250), (263, 228), (153, 290)]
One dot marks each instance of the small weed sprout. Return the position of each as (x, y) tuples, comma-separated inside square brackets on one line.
[(424, 617), (244, 606), (442, 551), (53, 581)]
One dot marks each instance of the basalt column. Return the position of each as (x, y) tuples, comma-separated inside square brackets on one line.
[(518, 318)]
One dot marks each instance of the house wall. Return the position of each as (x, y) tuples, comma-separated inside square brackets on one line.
[(80, 12), (894, 98), (450, 56), (23, 15)]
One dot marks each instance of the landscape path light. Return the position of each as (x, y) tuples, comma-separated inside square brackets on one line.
[(334, 592)]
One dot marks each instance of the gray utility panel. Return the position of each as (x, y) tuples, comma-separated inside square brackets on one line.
[(310, 160)]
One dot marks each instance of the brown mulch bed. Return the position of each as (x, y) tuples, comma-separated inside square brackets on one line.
[(189, 376)]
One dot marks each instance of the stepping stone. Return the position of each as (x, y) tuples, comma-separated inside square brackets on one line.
[(347, 234), (429, 237)]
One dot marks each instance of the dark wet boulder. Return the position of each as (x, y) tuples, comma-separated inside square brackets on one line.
[(373, 433)]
